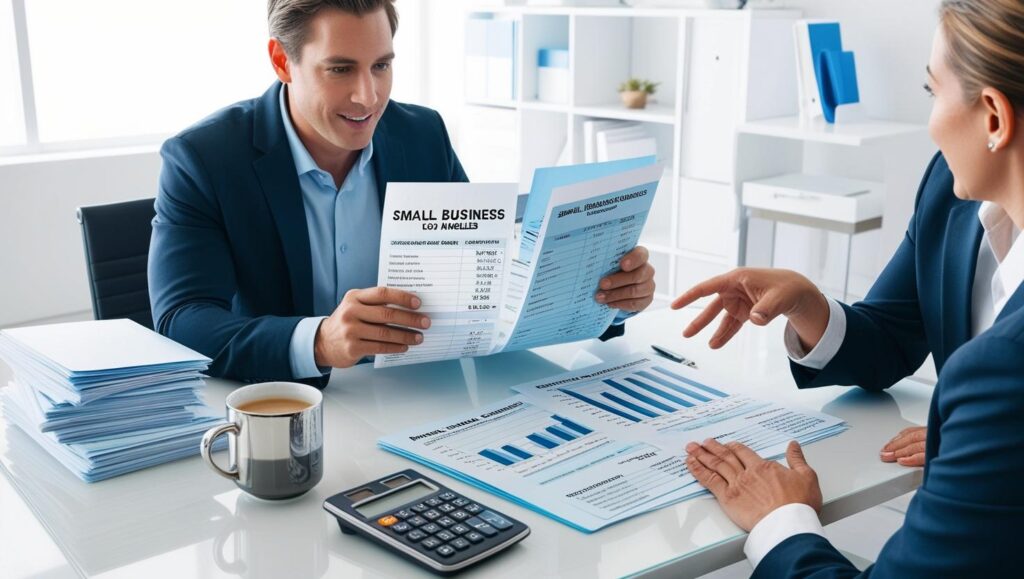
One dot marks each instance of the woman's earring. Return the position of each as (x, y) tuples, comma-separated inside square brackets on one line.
[(992, 146)]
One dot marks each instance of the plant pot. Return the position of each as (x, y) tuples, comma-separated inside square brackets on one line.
[(634, 99)]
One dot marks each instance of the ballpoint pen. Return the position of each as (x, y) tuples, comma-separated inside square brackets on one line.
[(674, 356)]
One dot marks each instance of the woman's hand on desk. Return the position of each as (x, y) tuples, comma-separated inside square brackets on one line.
[(749, 487), (907, 447), (758, 295)]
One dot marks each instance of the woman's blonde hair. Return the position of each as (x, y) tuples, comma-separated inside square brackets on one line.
[(985, 40)]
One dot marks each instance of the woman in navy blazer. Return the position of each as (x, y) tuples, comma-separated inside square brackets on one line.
[(953, 289)]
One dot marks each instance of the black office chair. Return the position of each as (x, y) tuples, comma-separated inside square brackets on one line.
[(116, 239)]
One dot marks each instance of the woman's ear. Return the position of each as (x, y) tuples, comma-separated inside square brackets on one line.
[(1000, 118)]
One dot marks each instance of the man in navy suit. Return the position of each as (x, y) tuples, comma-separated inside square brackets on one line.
[(265, 243), (955, 287)]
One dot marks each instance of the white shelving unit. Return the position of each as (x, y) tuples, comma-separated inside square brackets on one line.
[(884, 156), (719, 70)]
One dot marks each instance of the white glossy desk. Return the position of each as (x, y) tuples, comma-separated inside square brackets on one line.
[(182, 520)]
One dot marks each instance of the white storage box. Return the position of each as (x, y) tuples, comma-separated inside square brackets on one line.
[(818, 197)]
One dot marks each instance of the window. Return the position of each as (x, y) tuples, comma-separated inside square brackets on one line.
[(116, 69), (12, 122)]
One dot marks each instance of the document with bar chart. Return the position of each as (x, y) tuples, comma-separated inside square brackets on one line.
[(594, 447), (669, 404)]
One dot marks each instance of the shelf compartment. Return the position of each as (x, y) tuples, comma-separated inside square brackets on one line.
[(852, 134)]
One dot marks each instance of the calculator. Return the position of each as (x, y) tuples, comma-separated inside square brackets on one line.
[(424, 521)]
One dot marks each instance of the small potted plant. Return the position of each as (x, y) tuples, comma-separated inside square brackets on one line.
[(634, 92)]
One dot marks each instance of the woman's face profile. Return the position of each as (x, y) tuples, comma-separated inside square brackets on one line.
[(959, 128)]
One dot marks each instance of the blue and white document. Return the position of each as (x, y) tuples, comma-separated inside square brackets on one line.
[(453, 244), (597, 446)]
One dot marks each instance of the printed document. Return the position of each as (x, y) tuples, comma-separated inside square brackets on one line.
[(453, 245), (597, 446)]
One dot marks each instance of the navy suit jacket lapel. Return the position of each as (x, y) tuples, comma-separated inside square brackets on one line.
[(1015, 303), (388, 159), (963, 236), (275, 169)]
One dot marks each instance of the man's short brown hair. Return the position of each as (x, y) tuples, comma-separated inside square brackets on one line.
[(289, 19)]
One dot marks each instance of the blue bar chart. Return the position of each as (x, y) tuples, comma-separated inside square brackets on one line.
[(644, 394), (557, 432)]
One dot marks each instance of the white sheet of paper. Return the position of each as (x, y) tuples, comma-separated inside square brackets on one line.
[(101, 345), (448, 243)]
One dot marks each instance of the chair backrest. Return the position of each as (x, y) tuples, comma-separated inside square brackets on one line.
[(116, 239)]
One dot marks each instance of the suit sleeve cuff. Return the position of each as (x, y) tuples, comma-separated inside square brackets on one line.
[(301, 349), (827, 346), (780, 524)]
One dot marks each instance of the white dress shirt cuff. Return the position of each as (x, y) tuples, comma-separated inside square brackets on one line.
[(780, 524), (827, 346), (301, 354)]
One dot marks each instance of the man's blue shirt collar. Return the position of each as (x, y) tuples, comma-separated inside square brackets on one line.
[(304, 162)]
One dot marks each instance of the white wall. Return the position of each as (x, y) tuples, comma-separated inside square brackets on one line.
[(41, 261)]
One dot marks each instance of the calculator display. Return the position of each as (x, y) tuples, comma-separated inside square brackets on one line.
[(396, 499)]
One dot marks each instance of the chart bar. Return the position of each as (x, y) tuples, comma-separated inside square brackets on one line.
[(572, 425), (660, 392), (676, 387), (488, 453), (599, 404), (560, 433), (630, 405), (693, 383), (641, 397), (516, 452), (542, 440)]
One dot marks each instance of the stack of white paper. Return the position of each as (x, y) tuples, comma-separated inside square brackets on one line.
[(105, 397)]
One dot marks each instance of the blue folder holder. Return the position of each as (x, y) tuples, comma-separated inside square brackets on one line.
[(838, 80)]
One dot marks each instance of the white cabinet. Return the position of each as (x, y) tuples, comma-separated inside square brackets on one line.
[(712, 101), (711, 70)]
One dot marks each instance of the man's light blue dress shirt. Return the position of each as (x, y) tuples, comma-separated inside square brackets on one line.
[(344, 237)]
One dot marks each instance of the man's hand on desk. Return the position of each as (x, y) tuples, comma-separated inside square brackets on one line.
[(758, 295), (748, 487), (365, 324), (907, 447), (632, 289)]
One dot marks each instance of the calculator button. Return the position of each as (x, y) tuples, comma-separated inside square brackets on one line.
[(445, 508), (474, 537), (401, 527), (445, 551), (387, 521), (429, 543), (447, 496), (460, 502), (482, 527), (430, 528), (460, 544), (459, 529), (431, 514), (416, 535), (417, 521), (445, 536), (403, 514), (433, 502), (459, 515), (495, 519), (419, 508), (472, 508), (445, 522)]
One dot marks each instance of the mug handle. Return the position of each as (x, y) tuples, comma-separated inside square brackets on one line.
[(206, 447)]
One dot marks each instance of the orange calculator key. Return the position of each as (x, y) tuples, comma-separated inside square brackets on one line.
[(387, 521)]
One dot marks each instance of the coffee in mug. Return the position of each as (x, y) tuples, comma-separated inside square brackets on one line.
[(275, 439)]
